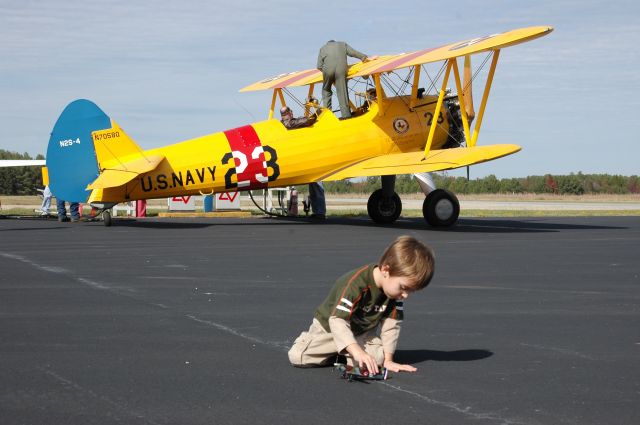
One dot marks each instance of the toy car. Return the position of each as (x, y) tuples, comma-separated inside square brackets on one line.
[(360, 374)]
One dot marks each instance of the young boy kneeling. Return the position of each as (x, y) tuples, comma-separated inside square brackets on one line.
[(362, 301)]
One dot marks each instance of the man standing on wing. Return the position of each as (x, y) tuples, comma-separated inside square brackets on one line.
[(332, 61)]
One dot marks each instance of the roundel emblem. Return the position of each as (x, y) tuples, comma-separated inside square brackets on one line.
[(400, 125)]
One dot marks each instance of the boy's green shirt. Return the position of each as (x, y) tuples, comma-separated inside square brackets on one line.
[(356, 299)]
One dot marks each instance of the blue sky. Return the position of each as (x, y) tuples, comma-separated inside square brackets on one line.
[(167, 71)]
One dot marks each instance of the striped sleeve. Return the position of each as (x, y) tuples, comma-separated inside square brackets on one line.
[(396, 310), (345, 305)]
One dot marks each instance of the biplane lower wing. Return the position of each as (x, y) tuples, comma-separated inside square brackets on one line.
[(125, 171), (415, 162)]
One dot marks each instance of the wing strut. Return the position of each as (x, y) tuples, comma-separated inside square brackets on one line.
[(414, 88), (462, 99), (379, 95), (307, 108), (485, 97), (276, 92), (436, 113), (468, 92)]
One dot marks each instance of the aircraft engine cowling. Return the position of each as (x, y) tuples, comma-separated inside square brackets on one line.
[(455, 138)]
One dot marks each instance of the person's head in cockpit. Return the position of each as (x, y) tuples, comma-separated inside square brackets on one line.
[(286, 114)]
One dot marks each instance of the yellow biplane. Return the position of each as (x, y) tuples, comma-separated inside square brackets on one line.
[(91, 159)]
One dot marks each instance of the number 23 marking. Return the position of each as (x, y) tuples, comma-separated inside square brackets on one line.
[(243, 163), (429, 117)]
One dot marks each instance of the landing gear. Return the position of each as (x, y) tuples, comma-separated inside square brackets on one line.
[(106, 218), (441, 208), (104, 209), (384, 209)]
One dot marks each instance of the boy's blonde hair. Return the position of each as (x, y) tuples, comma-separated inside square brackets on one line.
[(409, 257)]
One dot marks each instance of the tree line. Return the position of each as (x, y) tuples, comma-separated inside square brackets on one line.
[(19, 180), (25, 180), (572, 184)]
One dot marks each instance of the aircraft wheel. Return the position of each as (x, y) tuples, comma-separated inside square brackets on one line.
[(106, 218), (383, 209), (441, 208)]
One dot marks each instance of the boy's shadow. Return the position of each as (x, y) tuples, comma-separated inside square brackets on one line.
[(419, 356)]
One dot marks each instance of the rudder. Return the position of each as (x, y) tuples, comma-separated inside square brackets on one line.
[(71, 157)]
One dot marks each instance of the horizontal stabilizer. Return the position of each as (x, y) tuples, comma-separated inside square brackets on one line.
[(415, 162), (124, 172)]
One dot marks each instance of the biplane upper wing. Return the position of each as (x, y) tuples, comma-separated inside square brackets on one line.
[(290, 79), (415, 162), (404, 60)]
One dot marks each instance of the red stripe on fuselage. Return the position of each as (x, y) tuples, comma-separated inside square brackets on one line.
[(244, 141)]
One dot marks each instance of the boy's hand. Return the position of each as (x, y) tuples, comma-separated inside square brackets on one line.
[(397, 367), (363, 359)]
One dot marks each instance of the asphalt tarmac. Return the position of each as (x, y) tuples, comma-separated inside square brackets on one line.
[(188, 321)]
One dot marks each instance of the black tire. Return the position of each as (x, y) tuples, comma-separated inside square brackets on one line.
[(383, 209), (106, 218), (441, 208)]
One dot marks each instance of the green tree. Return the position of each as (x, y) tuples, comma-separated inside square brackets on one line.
[(633, 184), (19, 180), (459, 185), (407, 183), (489, 184), (511, 186), (570, 185)]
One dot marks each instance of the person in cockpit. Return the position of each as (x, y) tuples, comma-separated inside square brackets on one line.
[(286, 117), (316, 190)]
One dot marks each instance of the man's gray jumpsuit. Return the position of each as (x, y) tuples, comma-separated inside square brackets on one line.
[(332, 61)]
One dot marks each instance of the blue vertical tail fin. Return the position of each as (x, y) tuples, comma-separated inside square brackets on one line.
[(71, 156)]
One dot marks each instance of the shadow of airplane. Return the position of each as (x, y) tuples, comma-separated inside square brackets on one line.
[(464, 225)]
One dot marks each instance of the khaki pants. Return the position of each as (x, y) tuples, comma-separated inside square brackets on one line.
[(317, 348)]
